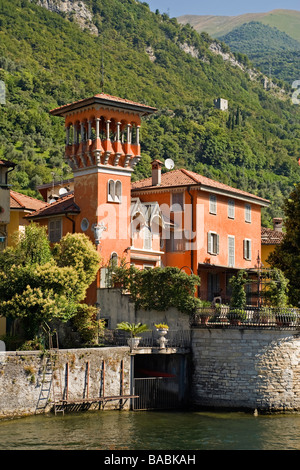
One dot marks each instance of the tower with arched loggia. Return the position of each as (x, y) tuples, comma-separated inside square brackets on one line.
[(102, 148)]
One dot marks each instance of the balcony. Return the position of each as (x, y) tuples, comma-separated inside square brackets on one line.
[(250, 317)]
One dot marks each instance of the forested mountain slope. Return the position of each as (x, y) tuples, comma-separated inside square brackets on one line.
[(47, 59), (274, 52)]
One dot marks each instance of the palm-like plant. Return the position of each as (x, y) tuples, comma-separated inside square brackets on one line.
[(133, 328)]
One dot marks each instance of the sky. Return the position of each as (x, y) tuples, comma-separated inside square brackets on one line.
[(219, 7)]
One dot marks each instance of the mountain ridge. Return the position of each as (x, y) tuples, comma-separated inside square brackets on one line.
[(287, 21)]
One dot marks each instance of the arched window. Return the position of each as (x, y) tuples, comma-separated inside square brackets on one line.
[(114, 191), (113, 260), (111, 191), (118, 191)]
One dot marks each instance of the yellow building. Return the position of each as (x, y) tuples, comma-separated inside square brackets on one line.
[(269, 239), (20, 205)]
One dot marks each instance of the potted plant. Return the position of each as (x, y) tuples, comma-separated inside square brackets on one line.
[(236, 316), (205, 312), (162, 327), (285, 316), (134, 329)]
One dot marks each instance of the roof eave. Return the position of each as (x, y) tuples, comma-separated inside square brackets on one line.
[(63, 110)]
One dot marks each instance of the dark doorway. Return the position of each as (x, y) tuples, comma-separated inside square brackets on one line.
[(160, 381)]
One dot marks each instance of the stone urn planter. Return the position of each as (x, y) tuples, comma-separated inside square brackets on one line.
[(162, 330), (133, 342)]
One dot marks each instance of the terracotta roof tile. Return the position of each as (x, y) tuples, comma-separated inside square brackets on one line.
[(271, 237), (101, 96), (21, 201), (63, 205), (184, 177), (7, 163)]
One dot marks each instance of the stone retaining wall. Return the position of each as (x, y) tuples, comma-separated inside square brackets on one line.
[(24, 375), (246, 369)]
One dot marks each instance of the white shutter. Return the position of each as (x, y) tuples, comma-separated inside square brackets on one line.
[(248, 213), (209, 243), (147, 238), (231, 207), (212, 204), (231, 250)]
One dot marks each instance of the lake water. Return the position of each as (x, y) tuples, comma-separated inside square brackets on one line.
[(123, 431)]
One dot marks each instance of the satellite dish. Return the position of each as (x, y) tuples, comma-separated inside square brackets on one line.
[(169, 164), (62, 191), (52, 200)]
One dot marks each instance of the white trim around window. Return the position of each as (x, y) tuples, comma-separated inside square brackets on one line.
[(114, 191)]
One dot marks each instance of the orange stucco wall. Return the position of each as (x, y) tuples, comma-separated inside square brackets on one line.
[(91, 195), (196, 232), (237, 227)]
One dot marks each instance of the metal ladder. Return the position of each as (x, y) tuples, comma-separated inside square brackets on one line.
[(48, 379)]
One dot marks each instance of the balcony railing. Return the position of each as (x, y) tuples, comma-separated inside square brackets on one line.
[(175, 338), (223, 316)]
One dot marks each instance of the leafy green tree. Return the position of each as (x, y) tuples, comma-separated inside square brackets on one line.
[(78, 252), (286, 256), (277, 290), (35, 288), (238, 296), (160, 288)]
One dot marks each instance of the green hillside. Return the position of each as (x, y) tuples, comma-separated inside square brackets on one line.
[(287, 21), (273, 51), (47, 60)]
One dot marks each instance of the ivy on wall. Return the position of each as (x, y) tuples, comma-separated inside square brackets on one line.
[(159, 288)]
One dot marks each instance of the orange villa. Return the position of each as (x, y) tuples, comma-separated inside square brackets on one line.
[(215, 231), (178, 218)]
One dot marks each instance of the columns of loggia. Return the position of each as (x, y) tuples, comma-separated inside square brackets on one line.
[(82, 132)]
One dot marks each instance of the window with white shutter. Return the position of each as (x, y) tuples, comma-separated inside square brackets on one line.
[(231, 250), (213, 243), (248, 213), (212, 204), (247, 249), (231, 208)]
